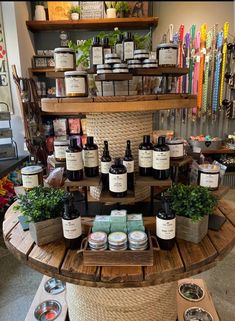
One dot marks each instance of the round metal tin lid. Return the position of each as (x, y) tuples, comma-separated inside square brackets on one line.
[(61, 143), (64, 50), (134, 61), (150, 61), (29, 170), (97, 237), (137, 236), (197, 314), (75, 73), (175, 140), (120, 66), (104, 66), (191, 291), (209, 168), (110, 56), (117, 238), (167, 45), (141, 51)]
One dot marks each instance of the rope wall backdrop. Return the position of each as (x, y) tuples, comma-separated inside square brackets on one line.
[(117, 128), (153, 303)]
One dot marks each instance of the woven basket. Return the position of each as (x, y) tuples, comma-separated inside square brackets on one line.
[(153, 303), (117, 128)]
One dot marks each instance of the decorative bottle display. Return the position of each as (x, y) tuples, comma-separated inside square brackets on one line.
[(71, 222), (119, 47), (106, 47), (165, 226), (90, 158), (105, 166), (128, 47), (74, 162), (145, 156), (96, 53), (118, 179), (161, 159), (128, 161)]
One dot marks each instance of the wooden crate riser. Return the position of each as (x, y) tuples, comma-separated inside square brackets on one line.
[(187, 230), (46, 231)]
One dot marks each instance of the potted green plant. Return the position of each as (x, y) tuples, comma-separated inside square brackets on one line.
[(43, 208), (192, 205), (74, 12), (122, 9), (111, 9)]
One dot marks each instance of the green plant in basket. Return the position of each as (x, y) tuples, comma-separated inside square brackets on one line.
[(122, 8), (41, 203), (191, 201)]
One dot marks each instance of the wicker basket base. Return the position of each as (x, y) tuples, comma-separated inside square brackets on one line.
[(117, 128), (153, 303)]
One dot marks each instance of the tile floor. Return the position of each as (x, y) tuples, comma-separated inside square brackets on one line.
[(18, 284)]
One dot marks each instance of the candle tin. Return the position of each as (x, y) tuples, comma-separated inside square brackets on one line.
[(150, 63), (138, 240), (97, 241), (64, 59), (167, 55), (191, 292), (104, 69), (117, 241), (176, 146), (112, 58), (208, 176), (141, 54), (76, 84), (32, 176), (197, 314), (134, 63), (120, 68)]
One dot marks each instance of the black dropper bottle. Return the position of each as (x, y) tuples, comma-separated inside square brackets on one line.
[(74, 162), (106, 47), (119, 46), (128, 47), (145, 156), (161, 159), (91, 164), (105, 166), (128, 161), (166, 225), (96, 53), (118, 179)]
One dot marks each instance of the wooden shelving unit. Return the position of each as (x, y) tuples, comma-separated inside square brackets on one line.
[(219, 151), (93, 24), (160, 71)]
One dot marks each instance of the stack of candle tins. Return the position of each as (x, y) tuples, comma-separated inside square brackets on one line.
[(97, 241), (138, 240), (117, 241)]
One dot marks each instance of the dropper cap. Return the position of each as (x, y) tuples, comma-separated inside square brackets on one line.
[(146, 139)]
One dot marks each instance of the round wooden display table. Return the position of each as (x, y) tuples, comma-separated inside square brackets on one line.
[(119, 292)]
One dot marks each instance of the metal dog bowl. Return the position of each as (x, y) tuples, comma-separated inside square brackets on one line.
[(54, 286), (197, 314), (47, 310), (191, 292)]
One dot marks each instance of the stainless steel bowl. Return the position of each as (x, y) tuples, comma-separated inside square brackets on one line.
[(191, 292), (47, 310), (54, 286), (197, 314)]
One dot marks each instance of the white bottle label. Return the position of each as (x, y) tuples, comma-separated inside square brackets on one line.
[(168, 56), (72, 228), (129, 166), (74, 161), (97, 55), (90, 158), (209, 180), (118, 182), (119, 50), (30, 181), (64, 60), (107, 51), (165, 228), (60, 151), (176, 150), (161, 160), (75, 85), (145, 158), (128, 50), (104, 167)]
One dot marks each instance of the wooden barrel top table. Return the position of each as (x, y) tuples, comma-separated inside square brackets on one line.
[(184, 260)]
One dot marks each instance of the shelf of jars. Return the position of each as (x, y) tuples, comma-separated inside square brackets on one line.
[(93, 24), (115, 104)]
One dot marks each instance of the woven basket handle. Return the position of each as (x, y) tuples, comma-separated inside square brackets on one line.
[(155, 242), (82, 247)]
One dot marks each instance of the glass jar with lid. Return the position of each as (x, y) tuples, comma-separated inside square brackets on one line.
[(76, 83), (32, 176), (209, 176), (60, 147), (176, 146), (64, 59)]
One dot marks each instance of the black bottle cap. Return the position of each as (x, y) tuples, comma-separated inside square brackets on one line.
[(146, 139), (120, 38), (96, 41), (106, 41), (73, 143), (117, 161), (90, 140), (161, 140), (128, 35), (106, 145)]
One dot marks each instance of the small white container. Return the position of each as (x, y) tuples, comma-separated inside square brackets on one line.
[(76, 84), (150, 63), (64, 59), (208, 176), (176, 146), (120, 68), (167, 55), (32, 176)]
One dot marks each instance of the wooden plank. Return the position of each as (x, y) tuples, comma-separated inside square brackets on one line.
[(41, 296), (114, 77), (167, 264), (228, 209), (49, 256), (87, 181), (222, 190), (150, 181), (5, 115), (219, 151), (73, 267), (72, 106), (93, 24), (196, 255), (125, 98), (105, 197), (11, 219), (5, 132), (121, 274), (160, 71), (181, 162)]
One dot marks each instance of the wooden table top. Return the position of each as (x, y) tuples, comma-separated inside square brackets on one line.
[(184, 260)]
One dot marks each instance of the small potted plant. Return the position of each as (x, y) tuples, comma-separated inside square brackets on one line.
[(74, 12), (192, 205), (40, 13), (122, 9), (111, 9), (43, 208)]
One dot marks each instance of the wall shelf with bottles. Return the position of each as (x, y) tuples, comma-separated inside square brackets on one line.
[(93, 24)]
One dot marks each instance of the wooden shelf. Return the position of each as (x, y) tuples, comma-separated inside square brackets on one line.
[(105, 197), (219, 151), (113, 77), (41, 70), (150, 181), (93, 24), (67, 106), (87, 181), (160, 71)]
